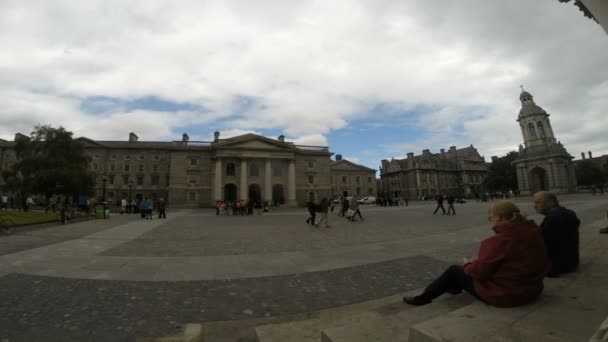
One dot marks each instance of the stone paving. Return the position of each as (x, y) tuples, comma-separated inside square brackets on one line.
[(120, 278)]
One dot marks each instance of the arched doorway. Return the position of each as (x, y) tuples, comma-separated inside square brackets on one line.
[(538, 180), (255, 193), (278, 196), (230, 192)]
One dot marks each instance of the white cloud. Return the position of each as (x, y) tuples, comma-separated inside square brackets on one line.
[(310, 66)]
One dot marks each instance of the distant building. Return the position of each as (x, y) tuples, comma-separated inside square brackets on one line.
[(456, 171), (543, 163), (354, 179)]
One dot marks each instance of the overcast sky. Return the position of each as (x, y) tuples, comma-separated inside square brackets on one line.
[(371, 79)]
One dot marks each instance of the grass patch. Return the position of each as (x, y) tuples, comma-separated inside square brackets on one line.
[(31, 217)]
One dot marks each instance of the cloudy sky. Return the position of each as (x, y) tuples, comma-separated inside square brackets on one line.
[(371, 79)]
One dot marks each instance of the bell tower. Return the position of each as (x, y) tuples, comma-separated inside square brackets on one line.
[(542, 163)]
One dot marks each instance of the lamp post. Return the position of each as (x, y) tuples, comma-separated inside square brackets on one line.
[(130, 188), (103, 189)]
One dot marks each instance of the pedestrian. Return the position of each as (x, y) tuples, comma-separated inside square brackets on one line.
[(344, 207), (439, 204), (353, 209), (162, 207), (323, 208), (4, 202), (123, 206), (451, 209), (312, 212), (29, 202)]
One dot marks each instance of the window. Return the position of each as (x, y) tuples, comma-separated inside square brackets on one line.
[(532, 130), (113, 157), (369, 180), (311, 164), (156, 157), (111, 179), (192, 180), (358, 191), (369, 191), (112, 167), (277, 171), (167, 178), (140, 168), (140, 180), (127, 157), (192, 196), (141, 157), (230, 169), (254, 171), (125, 180), (343, 179), (155, 168), (311, 179), (541, 129), (126, 168), (94, 166), (193, 162), (96, 156), (311, 196), (154, 180), (357, 179)]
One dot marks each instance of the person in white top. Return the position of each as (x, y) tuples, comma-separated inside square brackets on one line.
[(4, 204), (123, 205)]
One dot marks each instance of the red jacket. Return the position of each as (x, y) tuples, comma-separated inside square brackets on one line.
[(511, 265)]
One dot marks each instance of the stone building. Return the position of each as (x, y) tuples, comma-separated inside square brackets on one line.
[(456, 171), (543, 163), (197, 174), (357, 180)]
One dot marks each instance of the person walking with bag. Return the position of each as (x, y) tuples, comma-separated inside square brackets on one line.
[(324, 210)]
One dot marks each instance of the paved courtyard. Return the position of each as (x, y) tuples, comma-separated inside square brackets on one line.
[(122, 278)]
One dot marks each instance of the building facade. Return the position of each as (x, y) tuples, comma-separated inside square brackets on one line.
[(543, 163), (456, 171), (354, 179)]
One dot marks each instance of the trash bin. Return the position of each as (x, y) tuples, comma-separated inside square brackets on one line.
[(100, 211)]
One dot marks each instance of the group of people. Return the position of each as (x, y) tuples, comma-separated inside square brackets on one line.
[(240, 207), (511, 265), (145, 207), (349, 209), (440, 199)]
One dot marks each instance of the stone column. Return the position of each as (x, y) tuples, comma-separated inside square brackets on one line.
[(217, 184), (267, 182), (243, 192), (291, 183)]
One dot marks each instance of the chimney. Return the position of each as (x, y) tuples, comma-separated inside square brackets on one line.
[(19, 136), (185, 138), (338, 157), (583, 155), (589, 152), (452, 148), (281, 138), (216, 136), (442, 150), (410, 155), (494, 158), (427, 151), (133, 137)]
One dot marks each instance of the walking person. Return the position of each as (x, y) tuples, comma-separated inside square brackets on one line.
[(344, 207), (451, 209), (439, 204), (162, 207), (353, 209), (123, 206), (324, 209), (312, 212)]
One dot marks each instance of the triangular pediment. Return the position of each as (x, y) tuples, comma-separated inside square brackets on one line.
[(346, 165), (253, 141)]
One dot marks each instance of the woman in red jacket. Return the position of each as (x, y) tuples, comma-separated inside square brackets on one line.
[(509, 270)]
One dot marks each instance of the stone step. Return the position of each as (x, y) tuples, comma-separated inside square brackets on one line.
[(307, 330), (390, 323)]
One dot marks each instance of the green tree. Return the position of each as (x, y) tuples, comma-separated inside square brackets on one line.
[(502, 175), (588, 173), (50, 162)]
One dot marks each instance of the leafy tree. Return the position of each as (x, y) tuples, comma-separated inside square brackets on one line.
[(502, 175), (588, 173), (50, 162)]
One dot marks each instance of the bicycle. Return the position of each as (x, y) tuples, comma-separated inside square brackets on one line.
[(7, 226)]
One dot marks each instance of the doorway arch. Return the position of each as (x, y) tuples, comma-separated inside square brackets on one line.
[(538, 180), (278, 195), (230, 192), (255, 193)]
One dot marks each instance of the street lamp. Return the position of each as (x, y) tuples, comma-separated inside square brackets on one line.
[(130, 188)]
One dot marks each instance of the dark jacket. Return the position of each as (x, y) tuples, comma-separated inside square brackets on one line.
[(560, 232), (511, 265)]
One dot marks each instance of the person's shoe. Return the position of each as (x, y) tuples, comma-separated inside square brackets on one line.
[(416, 300), (604, 230)]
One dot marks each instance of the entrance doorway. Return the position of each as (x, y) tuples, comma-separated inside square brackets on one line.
[(278, 196), (230, 192), (255, 193), (538, 180)]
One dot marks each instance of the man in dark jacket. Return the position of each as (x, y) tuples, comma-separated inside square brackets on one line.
[(439, 205), (560, 232)]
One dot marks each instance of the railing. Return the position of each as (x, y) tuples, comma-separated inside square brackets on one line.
[(312, 148), (193, 143)]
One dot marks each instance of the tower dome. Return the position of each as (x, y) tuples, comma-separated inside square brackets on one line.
[(528, 107)]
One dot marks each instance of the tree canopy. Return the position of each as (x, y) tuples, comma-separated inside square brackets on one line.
[(588, 173), (50, 162), (502, 175)]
